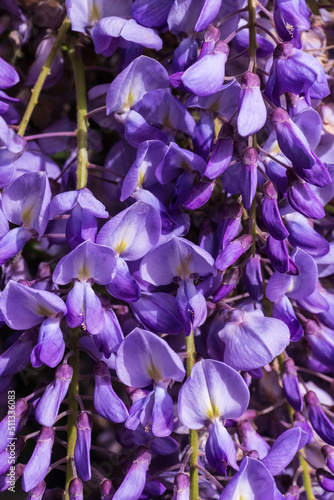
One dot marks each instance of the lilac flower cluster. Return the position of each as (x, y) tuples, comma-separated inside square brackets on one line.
[(167, 249)]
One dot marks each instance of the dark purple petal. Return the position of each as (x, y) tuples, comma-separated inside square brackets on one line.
[(106, 402), (48, 405), (220, 449), (82, 446), (270, 213), (134, 481), (284, 449), (318, 419)]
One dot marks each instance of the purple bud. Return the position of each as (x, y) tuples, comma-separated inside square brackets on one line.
[(233, 251), (302, 198), (291, 386), (229, 225), (318, 419), (270, 213), (82, 446), (13, 422), (328, 453), (37, 492), (300, 421), (12, 451), (181, 488), (106, 402), (222, 152), (75, 489), (6, 480), (107, 489), (253, 278), (252, 113), (249, 176), (291, 140), (134, 481), (230, 280), (211, 36), (325, 479), (48, 406), (38, 465), (203, 136), (283, 310), (321, 340), (292, 493), (251, 439), (278, 254)]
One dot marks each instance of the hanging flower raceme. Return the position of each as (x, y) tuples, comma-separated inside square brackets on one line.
[(87, 264), (214, 391), (37, 307), (157, 364)]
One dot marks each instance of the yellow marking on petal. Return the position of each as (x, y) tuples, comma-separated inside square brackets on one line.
[(153, 372), (275, 149), (130, 100), (141, 179), (94, 13), (84, 273), (121, 246), (213, 412), (44, 311), (27, 215), (167, 122), (183, 269)]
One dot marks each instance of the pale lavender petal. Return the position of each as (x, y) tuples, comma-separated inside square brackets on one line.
[(213, 390), (155, 360)]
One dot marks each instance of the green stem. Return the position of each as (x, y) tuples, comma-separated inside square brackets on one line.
[(82, 123), (73, 407), (252, 31), (46, 69), (252, 57), (306, 476), (193, 436)]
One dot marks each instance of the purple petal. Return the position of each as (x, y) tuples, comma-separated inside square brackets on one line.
[(106, 402), (151, 13), (13, 242), (35, 306), (37, 467), (252, 480), (48, 406), (252, 340), (132, 232), (213, 390), (175, 258), (158, 312), (87, 261), (163, 414), (252, 112), (220, 449), (141, 76), (8, 75), (155, 360), (50, 346), (195, 78)]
